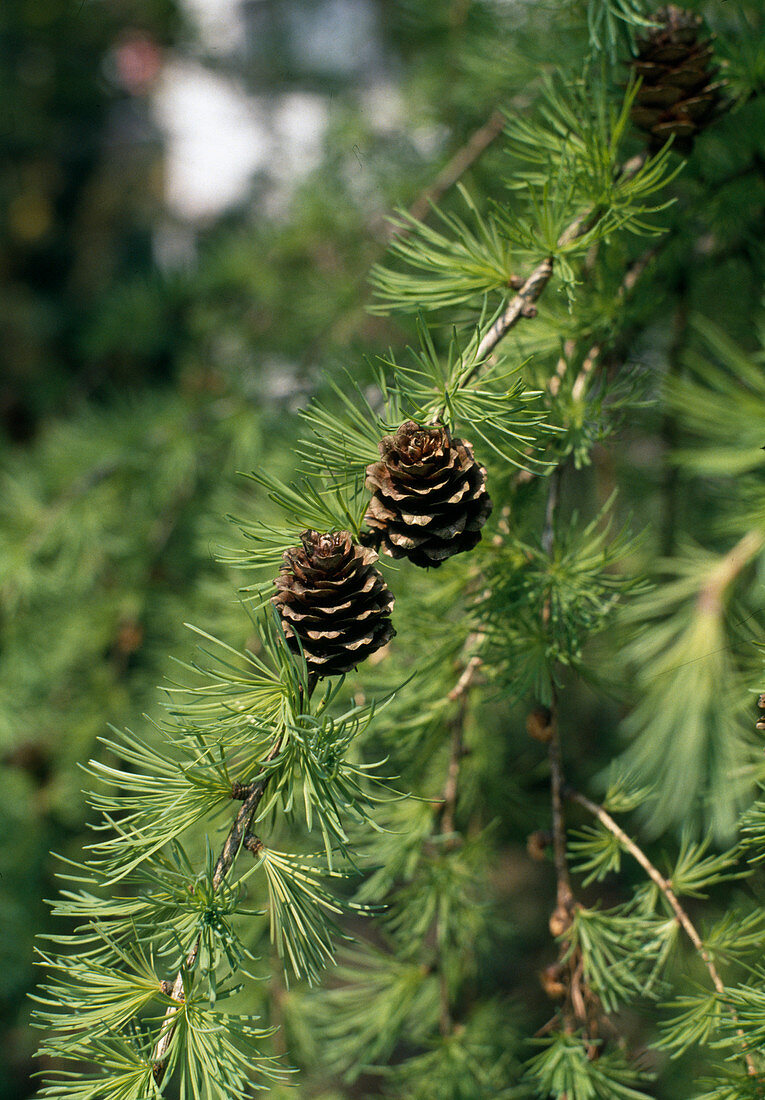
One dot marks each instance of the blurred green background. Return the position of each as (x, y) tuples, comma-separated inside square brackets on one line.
[(191, 196)]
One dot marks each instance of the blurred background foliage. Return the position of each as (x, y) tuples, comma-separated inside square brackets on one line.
[(152, 346)]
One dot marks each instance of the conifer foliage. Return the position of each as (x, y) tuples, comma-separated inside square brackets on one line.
[(362, 791)]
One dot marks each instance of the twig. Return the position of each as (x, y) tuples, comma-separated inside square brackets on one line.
[(564, 897), (468, 676), (449, 797), (446, 830), (680, 914), (459, 695), (593, 356), (561, 917), (231, 848), (548, 531), (523, 303), (669, 429)]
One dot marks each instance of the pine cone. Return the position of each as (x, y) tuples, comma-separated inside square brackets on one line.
[(333, 599), (429, 497), (677, 95)]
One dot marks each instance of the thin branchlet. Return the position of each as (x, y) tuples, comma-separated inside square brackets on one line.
[(681, 914)]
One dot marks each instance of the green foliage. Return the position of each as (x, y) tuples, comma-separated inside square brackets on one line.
[(606, 19), (454, 267), (405, 999), (108, 527), (563, 1068), (578, 584), (568, 191), (689, 720), (480, 1060), (695, 1021), (109, 968), (623, 951), (713, 392)]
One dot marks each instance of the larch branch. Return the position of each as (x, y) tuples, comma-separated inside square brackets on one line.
[(252, 796), (523, 302), (230, 850), (680, 913)]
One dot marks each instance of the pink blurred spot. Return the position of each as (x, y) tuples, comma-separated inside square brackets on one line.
[(137, 62)]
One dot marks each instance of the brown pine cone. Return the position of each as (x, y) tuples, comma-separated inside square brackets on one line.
[(677, 95), (333, 599), (429, 497)]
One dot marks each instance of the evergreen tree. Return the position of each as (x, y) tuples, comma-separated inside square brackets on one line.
[(563, 364)]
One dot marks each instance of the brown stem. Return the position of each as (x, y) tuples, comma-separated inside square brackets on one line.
[(449, 797), (669, 429), (680, 914), (521, 305), (447, 825), (468, 675), (459, 695), (231, 848), (561, 918), (564, 896), (548, 531)]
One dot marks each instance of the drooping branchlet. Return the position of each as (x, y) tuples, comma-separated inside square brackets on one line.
[(429, 498)]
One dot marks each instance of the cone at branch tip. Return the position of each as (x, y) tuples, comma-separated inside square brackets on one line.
[(333, 602), (429, 498), (678, 95)]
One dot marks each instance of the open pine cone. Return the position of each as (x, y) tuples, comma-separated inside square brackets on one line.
[(677, 95), (333, 599), (429, 497)]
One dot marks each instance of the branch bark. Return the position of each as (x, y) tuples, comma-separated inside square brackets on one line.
[(727, 569), (561, 917), (523, 303)]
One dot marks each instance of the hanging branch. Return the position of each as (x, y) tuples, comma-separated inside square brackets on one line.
[(680, 913), (228, 854), (727, 569), (561, 918), (459, 695)]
